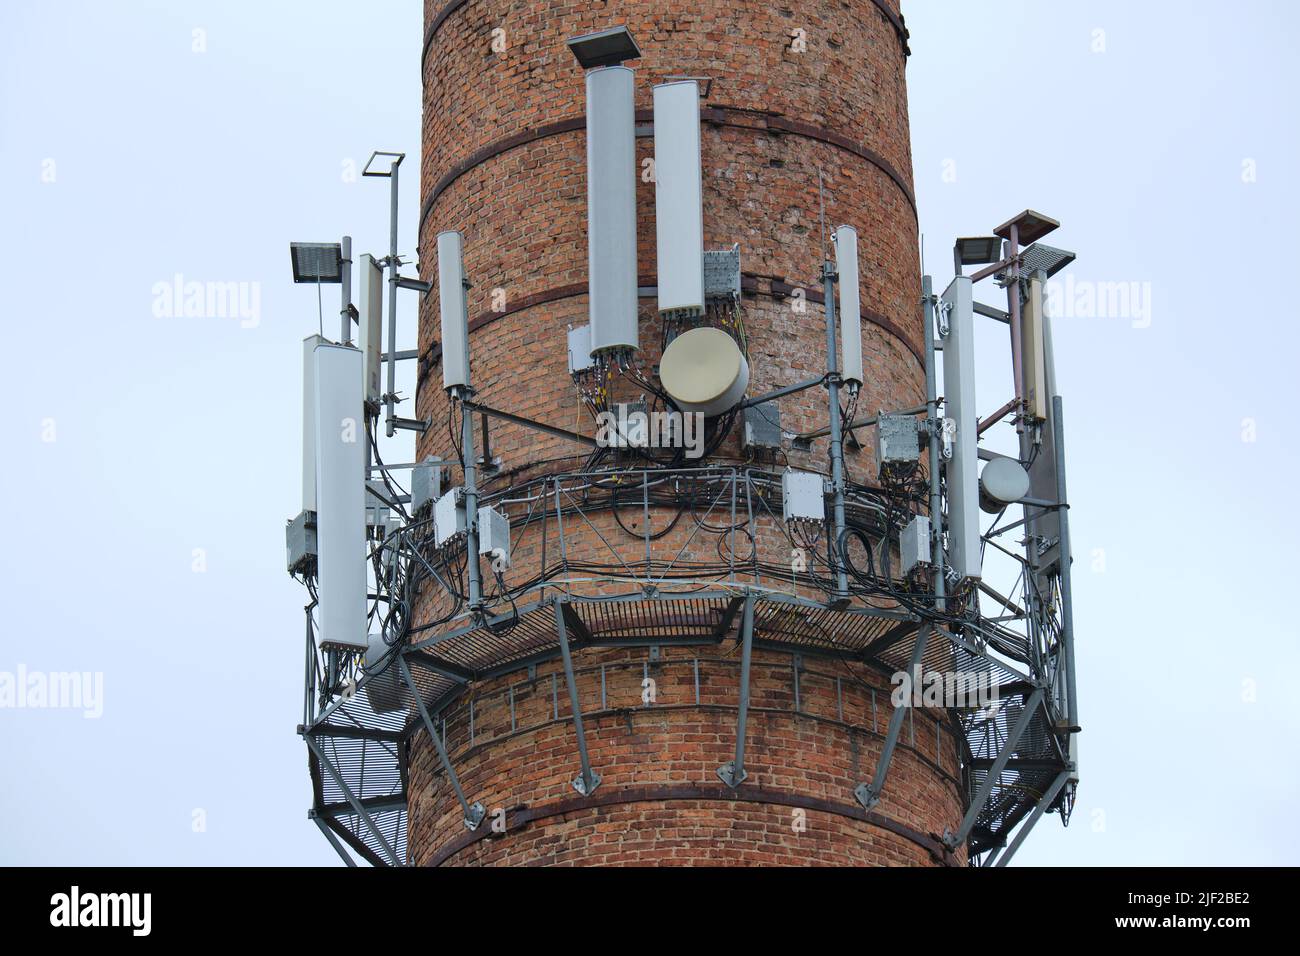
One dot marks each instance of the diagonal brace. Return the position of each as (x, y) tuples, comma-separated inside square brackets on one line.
[(1048, 798), (733, 773), (334, 841), (868, 794), (991, 778), (474, 812), (589, 780), (352, 799)]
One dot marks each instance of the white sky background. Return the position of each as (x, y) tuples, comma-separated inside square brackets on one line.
[(173, 434)]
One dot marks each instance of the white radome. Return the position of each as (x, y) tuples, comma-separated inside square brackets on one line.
[(704, 371)]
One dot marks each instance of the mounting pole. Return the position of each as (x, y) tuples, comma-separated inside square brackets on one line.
[(345, 270), (394, 281), (936, 454), (733, 773), (869, 794), (829, 276), (465, 395), (474, 812), (589, 779), (1067, 600)]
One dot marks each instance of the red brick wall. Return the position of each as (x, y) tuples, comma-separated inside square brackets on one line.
[(524, 761), (774, 118)]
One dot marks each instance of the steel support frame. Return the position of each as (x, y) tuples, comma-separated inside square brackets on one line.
[(474, 812), (334, 841), (1003, 858), (733, 772), (587, 781), (351, 797), (868, 794), (954, 840)]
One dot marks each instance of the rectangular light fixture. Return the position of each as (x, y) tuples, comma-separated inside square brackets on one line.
[(679, 216), (320, 262), (1041, 257), (980, 250), (604, 48)]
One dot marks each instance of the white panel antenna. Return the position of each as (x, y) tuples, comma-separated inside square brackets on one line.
[(340, 494), (962, 470), (846, 263), (679, 215), (370, 322), (309, 421), (1034, 352), (455, 317), (611, 209)]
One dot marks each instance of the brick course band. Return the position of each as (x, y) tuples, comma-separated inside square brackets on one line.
[(894, 20), (521, 817), (716, 115), (778, 289)]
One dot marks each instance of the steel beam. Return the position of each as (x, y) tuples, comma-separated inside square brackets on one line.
[(366, 819), (586, 782), (474, 812), (954, 840), (334, 841), (1048, 798), (868, 794), (733, 773)]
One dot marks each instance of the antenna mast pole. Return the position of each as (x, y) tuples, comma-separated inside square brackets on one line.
[(829, 277)]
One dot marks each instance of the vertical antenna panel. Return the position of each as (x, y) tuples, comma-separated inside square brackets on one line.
[(370, 321), (1033, 351), (1045, 526), (962, 471), (679, 216), (340, 494), (451, 301), (611, 209), (846, 264), (309, 421)]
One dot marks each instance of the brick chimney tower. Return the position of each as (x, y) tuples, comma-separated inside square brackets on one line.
[(803, 110)]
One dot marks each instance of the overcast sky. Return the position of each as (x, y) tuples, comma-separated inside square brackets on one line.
[(152, 455)]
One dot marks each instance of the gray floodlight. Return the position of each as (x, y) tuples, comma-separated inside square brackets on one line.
[(1044, 258), (605, 48), (317, 262), (980, 250)]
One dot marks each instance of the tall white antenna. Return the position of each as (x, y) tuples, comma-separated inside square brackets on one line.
[(340, 494), (611, 209), (959, 403), (451, 302), (846, 264), (679, 216)]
